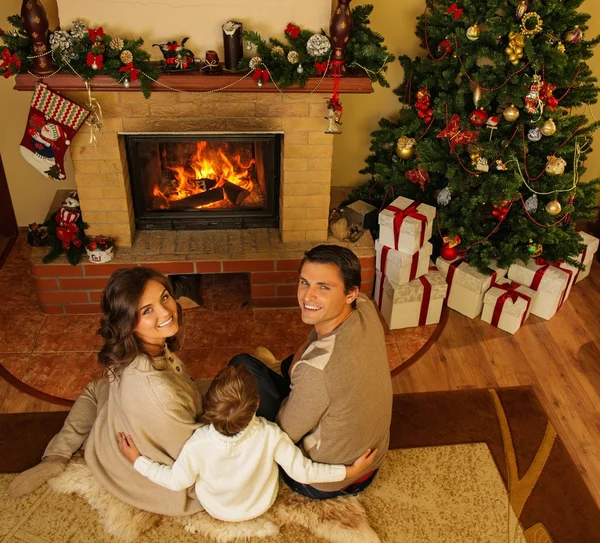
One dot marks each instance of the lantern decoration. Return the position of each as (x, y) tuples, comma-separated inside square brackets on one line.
[(423, 105), (479, 117), (534, 134), (574, 36), (449, 250), (516, 43), (548, 128), (555, 165), (501, 210), (511, 113), (553, 207), (533, 103), (473, 32), (405, 147)]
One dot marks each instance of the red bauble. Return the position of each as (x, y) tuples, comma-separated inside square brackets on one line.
[(479, 117), (448, 253), (445, 47)]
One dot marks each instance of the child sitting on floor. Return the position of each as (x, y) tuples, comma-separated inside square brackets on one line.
[(233, 459)]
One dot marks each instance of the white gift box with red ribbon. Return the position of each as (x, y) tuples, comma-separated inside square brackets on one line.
[(467, 285), (405, 225), (587, 255), (507, 305), (416, 303), (551, 281), (401, 267)]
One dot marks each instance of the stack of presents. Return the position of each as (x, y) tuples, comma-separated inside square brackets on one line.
[(411, 291)]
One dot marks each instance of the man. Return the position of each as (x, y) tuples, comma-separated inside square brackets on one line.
[(334, 396)]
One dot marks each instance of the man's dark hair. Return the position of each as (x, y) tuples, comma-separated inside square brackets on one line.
[(346, 261)]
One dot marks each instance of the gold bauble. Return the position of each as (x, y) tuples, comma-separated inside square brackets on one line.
[(405, 154), (519, 52), (515, 62), (509, 50), (513, 57), (511, 113), (548, 128), (473, 32), (405, 147), (553, 207)]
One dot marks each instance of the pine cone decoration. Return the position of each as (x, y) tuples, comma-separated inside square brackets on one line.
[(79, 30), (126, 56), (255, 62), (317, 45), (98, 48), (61, 42), (293, 57), (278, 50), (117, 44)]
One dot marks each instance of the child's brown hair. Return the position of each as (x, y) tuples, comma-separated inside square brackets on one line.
[(231, 400)]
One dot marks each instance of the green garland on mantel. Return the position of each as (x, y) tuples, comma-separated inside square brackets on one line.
[(89, 52)]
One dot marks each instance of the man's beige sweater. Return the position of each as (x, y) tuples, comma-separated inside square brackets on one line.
[(340, 402)]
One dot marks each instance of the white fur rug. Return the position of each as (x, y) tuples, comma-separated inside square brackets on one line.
[(341, 520)]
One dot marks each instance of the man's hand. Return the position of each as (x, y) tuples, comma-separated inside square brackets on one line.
[(128, 448), (361, 463)]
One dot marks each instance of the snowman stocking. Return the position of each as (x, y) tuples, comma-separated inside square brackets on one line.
[(53, 121)]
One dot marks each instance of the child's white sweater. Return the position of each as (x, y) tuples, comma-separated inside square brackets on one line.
[(236, 477)]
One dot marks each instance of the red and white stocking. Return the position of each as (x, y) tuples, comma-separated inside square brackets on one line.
[(53, 122)]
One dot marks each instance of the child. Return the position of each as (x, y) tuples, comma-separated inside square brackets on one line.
[(233, 459)]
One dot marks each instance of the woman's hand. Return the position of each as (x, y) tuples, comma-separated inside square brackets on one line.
[(128, 448), (361, 463)]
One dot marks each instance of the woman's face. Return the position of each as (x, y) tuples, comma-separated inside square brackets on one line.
[(157, 314)]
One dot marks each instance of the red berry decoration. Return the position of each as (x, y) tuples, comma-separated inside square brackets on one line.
[(479, 117), (423, 105)]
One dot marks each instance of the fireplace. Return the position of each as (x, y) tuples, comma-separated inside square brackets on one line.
[(204, 181)]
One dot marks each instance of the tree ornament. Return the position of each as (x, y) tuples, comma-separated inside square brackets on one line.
[(420, 176), (560, 47), (531, 24), (516, 43), (300, 69), (482, 164), (534, 134), (449, 249), (555, 165), (501, 209), (477, 94), (455, 135), (444, 197), (533, 102), (455, 11), (405, 147), (478, 117), (423, 105), (126, 56), (521, 9), (500, 166), (492, 124), (574, 36), (511, 113), (548, 128), (531, 204), (293, 57), (117, 43), (61, 42), (553, 207), (474, 153), (445, 47), (546, 96), (318, 45), (534, 249), (473, 32)]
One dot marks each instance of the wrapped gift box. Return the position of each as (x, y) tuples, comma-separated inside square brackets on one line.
[(587, 256), (401, 267), (405, 225), (467, 285), (416, 303), (507, 305), (552, 282)]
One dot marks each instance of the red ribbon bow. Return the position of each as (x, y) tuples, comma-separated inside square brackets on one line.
[(8, 59), (456, 10), (133, 73), (321, 67), (258, 74), (455, 136), (98, 59), (511, 293), (66, 234), (401, 214), (292, 30), (95, 34)]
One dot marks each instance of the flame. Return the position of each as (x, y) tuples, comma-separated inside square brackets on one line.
[(206, 163)]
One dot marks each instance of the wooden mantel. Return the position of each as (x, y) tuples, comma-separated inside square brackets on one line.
[(195, 82)]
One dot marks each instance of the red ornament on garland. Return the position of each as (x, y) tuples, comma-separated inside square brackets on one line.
[(479, 117), (423, 105)]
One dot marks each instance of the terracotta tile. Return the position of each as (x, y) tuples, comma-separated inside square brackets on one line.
[(412, 340), (394, 358), (206, 363), (19, 330), (218, 329), (16, 288), (280, 326), (15, 364), (63, 333)]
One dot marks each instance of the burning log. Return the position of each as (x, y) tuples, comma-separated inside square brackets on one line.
[(202, 199), (205, 183), (234, 193)]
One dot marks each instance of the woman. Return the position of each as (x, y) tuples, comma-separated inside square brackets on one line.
[(146, 392)]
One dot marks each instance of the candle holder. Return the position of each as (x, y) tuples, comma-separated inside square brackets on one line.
[(212, 65), (35, 22), (232, 45)]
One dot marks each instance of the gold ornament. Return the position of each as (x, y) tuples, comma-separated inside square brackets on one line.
[(516, 43), (553, 207), (560, 47), (117, 43), (548, 128), (511, 113), (473, 32), (477, 95), (98, 48), (555, 165), (531, 23), (126, 56), (405, 147), (521, 9)]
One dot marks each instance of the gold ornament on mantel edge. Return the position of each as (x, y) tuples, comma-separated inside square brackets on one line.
[(405, 147), (553, 207)]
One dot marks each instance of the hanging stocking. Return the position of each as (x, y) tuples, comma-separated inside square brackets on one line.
[(53, 121)]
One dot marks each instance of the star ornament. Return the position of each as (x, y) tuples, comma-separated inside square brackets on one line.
[(455, 135), (419, 175)]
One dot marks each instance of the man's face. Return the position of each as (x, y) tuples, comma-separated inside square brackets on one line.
[(321, 296)]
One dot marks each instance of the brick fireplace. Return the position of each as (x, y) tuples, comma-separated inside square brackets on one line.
[(269, 255)]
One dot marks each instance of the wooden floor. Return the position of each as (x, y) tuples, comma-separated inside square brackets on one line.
[(559, 358)]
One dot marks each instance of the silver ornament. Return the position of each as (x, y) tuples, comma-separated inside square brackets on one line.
[(248, 47), (444, 197), (300, 69), (255, 62), (94, 65), (531, 204), (534, 134), (259, 83), (317, 45)]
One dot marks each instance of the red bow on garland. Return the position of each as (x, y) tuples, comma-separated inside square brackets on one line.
[(95, 34), (456, 10), (455, 136), (292, 30), (98, 59), (258, 74), (133, 73), (8, 60), (321, 67), (419, 175)]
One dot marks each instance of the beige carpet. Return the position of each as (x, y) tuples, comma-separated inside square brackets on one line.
[(444, 494)]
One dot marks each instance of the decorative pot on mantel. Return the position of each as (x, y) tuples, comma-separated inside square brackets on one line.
[(340, 29), (35, 22)]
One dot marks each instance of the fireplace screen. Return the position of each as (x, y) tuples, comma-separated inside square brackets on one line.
[(192, 181)]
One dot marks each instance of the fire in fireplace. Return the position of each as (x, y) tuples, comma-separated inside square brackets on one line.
[(205, 181)]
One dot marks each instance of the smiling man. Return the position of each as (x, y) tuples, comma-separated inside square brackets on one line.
[(334, 396)]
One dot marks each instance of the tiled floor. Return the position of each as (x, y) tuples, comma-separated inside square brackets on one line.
[(56, 354)]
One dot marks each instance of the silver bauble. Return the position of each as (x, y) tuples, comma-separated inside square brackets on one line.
[(534, 134), (300, 69), (444, 197), (531, 204)]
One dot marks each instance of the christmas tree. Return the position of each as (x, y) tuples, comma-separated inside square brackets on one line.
[(487, 132)]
